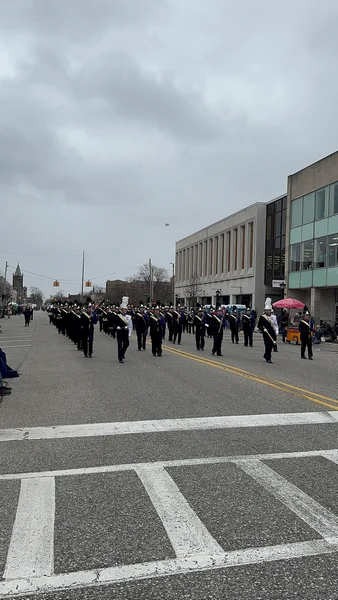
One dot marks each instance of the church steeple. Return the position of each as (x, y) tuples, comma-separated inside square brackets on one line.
[(17, 271)]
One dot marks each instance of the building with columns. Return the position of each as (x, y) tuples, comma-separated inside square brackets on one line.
[(225, 262), (312, 237)]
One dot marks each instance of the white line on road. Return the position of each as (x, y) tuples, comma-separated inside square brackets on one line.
[(316, 516), (166, 464), (167, 425), (164, 568), (17, 346), (31, 550), (185, 530)]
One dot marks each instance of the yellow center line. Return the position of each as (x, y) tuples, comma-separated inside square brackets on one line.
[(279, 385)]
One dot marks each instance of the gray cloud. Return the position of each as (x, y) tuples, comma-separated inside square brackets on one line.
[(120, 115)]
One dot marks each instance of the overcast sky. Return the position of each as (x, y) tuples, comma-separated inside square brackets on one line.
[(118, 116)]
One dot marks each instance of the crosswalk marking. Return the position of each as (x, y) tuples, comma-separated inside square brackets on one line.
[(167, 425), (31, 549), (185, 462), (186, 532), (310, 511)]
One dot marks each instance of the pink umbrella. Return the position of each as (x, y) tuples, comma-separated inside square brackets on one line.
[(289, 303)]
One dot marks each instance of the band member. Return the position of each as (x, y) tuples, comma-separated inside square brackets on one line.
[(216, 327), (170, 323), (306, 329), (267, 329), (199, 324), (141, 326), (88, 320), (233, 320), (124, 329), (156, 323), (177, 323), (247, 328)]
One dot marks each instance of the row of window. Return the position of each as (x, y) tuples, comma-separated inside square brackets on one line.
[(223, 253), (314, 254), (315, 206)]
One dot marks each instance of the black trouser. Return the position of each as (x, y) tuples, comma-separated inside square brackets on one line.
[(247, 336), (141, 338), (200, 337), (87, 342), (191, 328), (156, 341), (27, 320), (122, 342), (306, 340), (234, 335), (268, 343), (218, 338), (101, 323), (177, 332), (171, 331)]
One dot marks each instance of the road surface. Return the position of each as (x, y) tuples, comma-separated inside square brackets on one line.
[(182, 477)]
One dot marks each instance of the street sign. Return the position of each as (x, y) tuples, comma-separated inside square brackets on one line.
[(277, 283)]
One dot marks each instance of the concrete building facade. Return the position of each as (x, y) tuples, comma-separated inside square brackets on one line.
[(225, 261), (312, 237)]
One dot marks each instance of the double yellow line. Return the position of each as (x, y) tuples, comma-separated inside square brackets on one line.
[(279, 385)]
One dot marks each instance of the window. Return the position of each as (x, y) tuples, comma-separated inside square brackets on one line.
[(296, 212), (278, 223), (222, 253), (320, 253), (235, 248), (278, 204), (243, 247), (211, 256), (333, 250), (283, 222), (251, 235), (334, 199), (321, 203), (271, 208), (184, 267), (188, 264), (205, 258), (269, 227), (307, 255), (196, 261), (216, 255), (276, 264), (295, 257), (228, 251), (308, 208), (200, 257)]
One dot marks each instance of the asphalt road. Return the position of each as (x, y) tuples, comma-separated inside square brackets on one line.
[(182, 477)]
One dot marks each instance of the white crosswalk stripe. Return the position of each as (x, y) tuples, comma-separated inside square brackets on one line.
[(30, 562)]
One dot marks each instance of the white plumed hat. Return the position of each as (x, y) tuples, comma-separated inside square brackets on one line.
[(268, 305)]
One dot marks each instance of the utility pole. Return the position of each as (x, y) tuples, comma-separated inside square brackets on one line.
[(83, 269), (151, 287)]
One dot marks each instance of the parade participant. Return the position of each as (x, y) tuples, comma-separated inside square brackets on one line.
[(284, 322), (216, 328), (233, 320), (170, 322), (4, 390), (274, 322), (27, 315), (267, 329), (124, 329), (141, 326), (88, 320), (199, 324), (177, 323), (306, 329), (156, 322), (247, 328)]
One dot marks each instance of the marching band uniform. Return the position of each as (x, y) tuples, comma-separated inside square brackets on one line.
[(247, 328), (216, 326), (124, 328), (177, 327), (199, 324), (306, 329), (233, 320), (141, 326), (267, 329), (156, 323), (88, 320)]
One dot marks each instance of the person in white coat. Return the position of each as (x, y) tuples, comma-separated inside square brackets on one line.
[(124, 329)]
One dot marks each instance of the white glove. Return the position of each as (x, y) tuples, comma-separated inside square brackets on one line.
[(118, 327), (206, 325), (265, 330)]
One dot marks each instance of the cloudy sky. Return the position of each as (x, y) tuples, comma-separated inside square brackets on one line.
[(118, 116)]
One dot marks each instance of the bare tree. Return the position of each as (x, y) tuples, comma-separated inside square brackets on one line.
[(161, 282), (36, 296), (193, 290)]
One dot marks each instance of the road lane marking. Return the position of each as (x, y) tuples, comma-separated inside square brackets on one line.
[(164, 568), (167, 464), (31, 549), (311, 512), (17, 346), (167, 425), (279, 385), (186, 532)]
